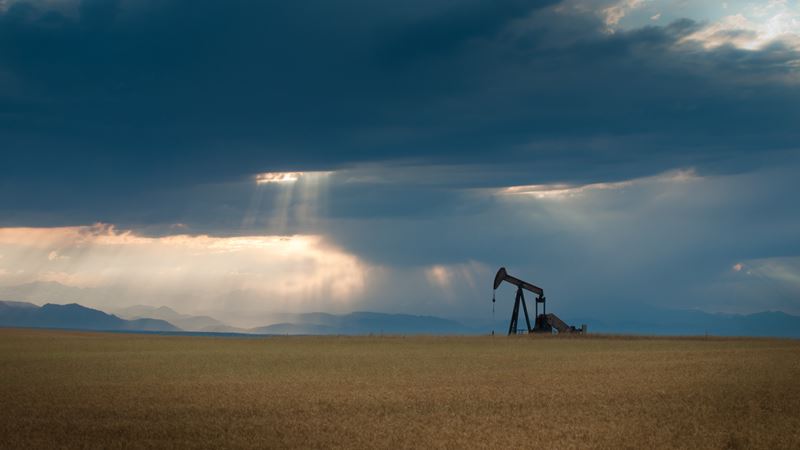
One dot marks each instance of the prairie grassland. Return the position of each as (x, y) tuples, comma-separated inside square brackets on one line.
[(94, 390)]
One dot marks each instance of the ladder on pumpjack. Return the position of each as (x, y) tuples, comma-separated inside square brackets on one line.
[(543, 323)]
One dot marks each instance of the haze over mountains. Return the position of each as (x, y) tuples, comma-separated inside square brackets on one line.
[(164, 319), (142, 318), (365, 323), (308, 323), (183, 321)]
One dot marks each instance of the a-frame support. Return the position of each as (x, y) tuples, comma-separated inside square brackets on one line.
[(512, 327)]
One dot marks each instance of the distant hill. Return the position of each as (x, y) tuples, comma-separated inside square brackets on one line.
[(695, 322), (73, 316), (183, 321), (364, 323)]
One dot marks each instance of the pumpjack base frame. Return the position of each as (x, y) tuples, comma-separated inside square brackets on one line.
[(540, 325)]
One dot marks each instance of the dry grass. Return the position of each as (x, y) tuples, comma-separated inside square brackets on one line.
[(70, 389)]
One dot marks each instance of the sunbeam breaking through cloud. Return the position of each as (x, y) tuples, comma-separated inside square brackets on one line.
[(246, 273)]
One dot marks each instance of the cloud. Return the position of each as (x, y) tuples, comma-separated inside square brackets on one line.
[(560, 191), (439, 275), (122, 103), (565, 191), (469, 274), (614, 13), (54, 256), (278, 177), (742, 32), (744, 289), (785, 270)]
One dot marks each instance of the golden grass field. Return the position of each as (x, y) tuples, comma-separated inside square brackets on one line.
[(73, 389)]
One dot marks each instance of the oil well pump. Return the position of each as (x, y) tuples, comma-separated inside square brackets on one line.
[(543, 323)]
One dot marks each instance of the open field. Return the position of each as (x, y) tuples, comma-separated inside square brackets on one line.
[(72, 389)]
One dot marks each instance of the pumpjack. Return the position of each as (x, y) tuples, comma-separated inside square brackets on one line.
[(543, 323)]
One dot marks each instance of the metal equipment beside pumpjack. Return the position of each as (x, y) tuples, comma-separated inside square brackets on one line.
[(543, 323)]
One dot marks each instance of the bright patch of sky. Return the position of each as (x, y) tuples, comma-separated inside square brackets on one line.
[(744, 24), (103, 267)]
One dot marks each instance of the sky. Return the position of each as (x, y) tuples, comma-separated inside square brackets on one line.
[(242, 158)]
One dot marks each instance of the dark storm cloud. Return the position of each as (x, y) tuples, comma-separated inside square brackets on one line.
[(106, 109)]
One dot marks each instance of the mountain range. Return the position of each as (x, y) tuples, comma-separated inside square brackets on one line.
[(164, 319), (73, 316)]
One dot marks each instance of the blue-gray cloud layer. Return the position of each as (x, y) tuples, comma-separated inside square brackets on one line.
[(121, 100), (146, 114)]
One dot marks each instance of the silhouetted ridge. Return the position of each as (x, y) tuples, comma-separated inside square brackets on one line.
[(73, 316)]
